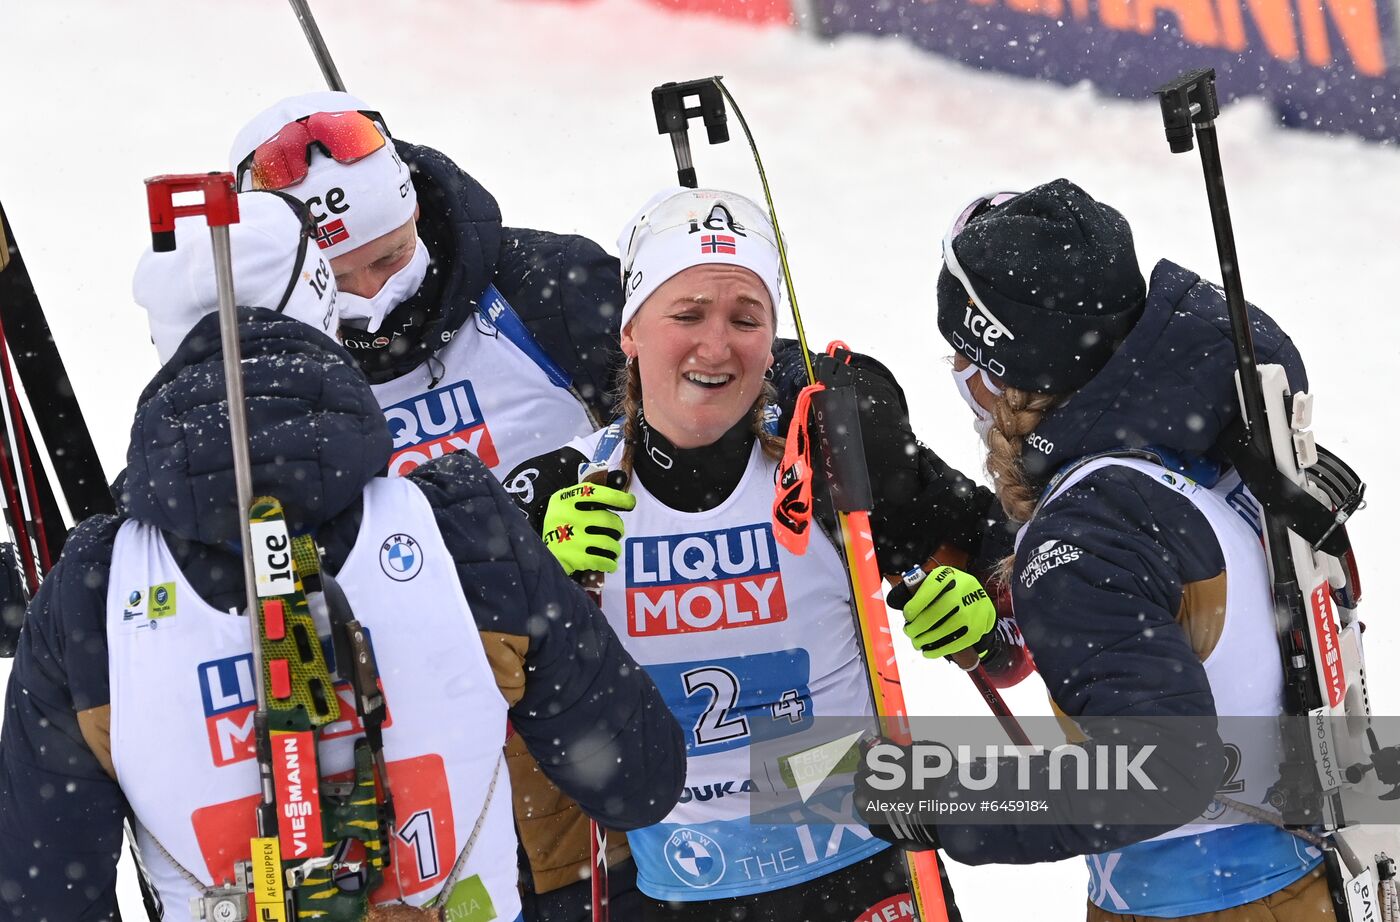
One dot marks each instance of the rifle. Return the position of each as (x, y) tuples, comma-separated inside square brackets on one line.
[(1307, 495)]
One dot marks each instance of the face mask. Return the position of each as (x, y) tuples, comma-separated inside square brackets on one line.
[(396, 289), (984, 421)]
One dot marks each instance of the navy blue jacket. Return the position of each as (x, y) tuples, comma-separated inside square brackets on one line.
[(317, 437), (1103, 628)]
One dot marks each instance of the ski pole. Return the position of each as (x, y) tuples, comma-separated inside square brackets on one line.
[(1189, 109), (598, 891), (968, 660), (302, 8), (25, 456), (838, 427), (57, 416), (219, 205), (1188, 103), (15, 508), (596, 472)]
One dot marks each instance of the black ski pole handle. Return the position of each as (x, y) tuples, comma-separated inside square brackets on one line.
[(1187, 101), (673, 118)]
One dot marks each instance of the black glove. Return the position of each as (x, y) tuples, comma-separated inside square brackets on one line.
[(891, 450), (881, 810), (921, 503)]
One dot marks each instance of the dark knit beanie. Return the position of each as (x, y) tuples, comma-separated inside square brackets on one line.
[(1057, 272)]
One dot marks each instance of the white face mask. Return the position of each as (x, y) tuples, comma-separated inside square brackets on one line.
[(984, 421), (396, 289)]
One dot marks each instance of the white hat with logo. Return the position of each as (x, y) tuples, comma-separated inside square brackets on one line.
[(353, 203), (680, 228), (273, 267)]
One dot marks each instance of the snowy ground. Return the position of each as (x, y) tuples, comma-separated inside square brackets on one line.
[(871, 147)]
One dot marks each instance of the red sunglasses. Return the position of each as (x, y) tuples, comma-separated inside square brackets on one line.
[(283, 159)]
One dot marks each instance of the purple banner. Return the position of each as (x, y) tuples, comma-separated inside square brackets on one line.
[(1331, 65)]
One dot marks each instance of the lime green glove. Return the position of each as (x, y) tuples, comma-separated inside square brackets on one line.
[(581, 528), (949, 613)]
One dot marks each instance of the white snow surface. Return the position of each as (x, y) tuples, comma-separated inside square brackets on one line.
[(871, 146)]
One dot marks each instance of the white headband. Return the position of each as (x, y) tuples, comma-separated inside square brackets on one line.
[(353, 203), (273, 267), (680, 228)]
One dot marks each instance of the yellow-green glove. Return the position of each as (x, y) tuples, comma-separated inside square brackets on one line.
[(949, 612), (582, 528)]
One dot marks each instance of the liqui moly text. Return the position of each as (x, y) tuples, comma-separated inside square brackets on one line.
[(436, 423), (707, 581)]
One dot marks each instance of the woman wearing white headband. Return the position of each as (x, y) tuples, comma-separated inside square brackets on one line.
[(747, 641)]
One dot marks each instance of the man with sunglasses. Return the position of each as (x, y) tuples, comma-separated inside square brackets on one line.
[(474, 336)]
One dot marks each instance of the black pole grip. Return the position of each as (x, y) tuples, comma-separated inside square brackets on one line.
[(837, 419), (900, 595), (673, 116), (1186, 101)]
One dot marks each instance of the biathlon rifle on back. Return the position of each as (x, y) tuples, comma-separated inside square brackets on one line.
[(1307, 495)]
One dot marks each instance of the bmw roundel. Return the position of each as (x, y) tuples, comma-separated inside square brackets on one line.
[(695, 858), (400, 558)]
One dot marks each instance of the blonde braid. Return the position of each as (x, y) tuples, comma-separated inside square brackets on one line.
[(1015, 415), (629, 407)]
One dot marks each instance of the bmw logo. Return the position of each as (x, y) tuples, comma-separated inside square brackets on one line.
[(695, 858), (400, 558)]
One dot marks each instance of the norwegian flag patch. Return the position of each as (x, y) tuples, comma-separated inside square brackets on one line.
[(333, 232), (717, 243)]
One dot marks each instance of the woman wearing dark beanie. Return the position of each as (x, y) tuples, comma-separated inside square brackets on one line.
[(1139, 580)]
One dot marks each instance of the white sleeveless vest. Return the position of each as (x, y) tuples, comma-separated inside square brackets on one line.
[(1204, 867), (182, 709), (1244, 670), (746, 642), (480, 394)]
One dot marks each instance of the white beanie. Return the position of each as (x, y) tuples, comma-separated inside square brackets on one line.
[(353, 203), (178, 288), (679, 228)]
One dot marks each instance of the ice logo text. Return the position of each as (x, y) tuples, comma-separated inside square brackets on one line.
[(707, 581)]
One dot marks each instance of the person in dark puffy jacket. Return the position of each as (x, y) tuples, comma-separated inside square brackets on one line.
[(1138, 577), (130, 693)]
